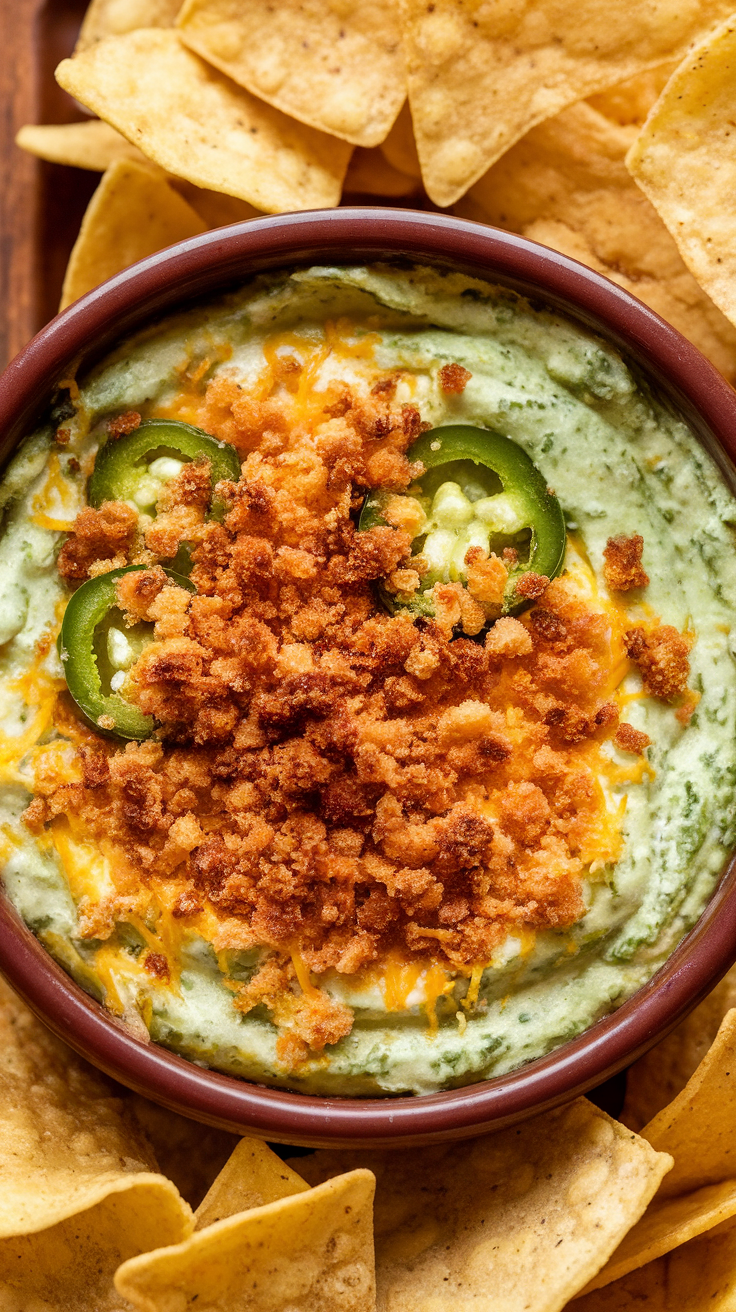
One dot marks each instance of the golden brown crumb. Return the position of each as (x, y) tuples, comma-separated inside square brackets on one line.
[(661, 655), (629, 739), (63, 436), (454, 378), (531, 585), (123, 424), (508, 637), (98, 535), (622, 567), (487, 576)]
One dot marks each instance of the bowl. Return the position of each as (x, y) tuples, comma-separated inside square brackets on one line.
[(205, 266)]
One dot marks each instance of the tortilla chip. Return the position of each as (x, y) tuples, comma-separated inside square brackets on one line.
[(514, 1220), (88, 145), (188, 1153), (252, 1177), (699, 1130), (657, 1077), (698, 1276), (133, 213), (214, 207), (313, 1251), (684, 161), (566, 185), (336, 67), (116, 17), (480, 76), (200, 126), (631, 101), (370, 172), (80, 1191), (699, 1127), (400, 148)]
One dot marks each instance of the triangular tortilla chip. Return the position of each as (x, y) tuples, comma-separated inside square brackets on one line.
[(91, 144), (400, 148), (565, 184), (312, 1252), (684, 160), (699, 1130), (370, 172), (516, 1220), (197, 124), (252, 1177), (336, 67), (698, 1277), (116, 17), (480, 76), (657, 1077), (80, 1191), (133, 213)]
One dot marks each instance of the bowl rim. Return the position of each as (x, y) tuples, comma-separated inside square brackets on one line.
[(204, 266)]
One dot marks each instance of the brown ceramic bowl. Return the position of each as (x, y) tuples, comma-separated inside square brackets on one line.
[(218, 261)]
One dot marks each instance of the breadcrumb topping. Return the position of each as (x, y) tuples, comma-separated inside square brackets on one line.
[(331, 783)]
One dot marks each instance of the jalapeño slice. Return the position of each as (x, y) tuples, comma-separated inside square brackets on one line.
[(480, 489), (135, 467), (87, 648)]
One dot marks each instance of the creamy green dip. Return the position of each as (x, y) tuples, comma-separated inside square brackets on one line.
[(621, 463)]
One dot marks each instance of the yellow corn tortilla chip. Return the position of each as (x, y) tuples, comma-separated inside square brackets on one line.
[(699, 1130), (133, 213), (337, 67), (197, 124), (188, 1153), (400, 148), (698, 1277), (252, 1177), (91, 144), (699, 1127), (116, 17), (370, 172), (666, 1224), (515, 1220), (80, 1189), (480, 76), (631, 101), (657, 1077), (684, 161), (566, 185), (312, 1252), (214, 207)]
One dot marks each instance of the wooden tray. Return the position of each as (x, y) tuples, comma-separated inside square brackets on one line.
[(41, 205)]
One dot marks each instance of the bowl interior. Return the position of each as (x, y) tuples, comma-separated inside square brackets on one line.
[(683, 379)]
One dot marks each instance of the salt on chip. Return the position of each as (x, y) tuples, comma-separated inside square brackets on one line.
[(481, 75), (518, 1219), (312, 1251), (252, 1176), (685, 162), (699, 1130), (657, 1077), (116, 17), (80, 1189), (337, 66), (91, 144), (700, 1276), (133, 213), (565, 184), (199, 125)]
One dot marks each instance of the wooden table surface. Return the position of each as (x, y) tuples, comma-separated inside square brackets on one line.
[(41, 204)]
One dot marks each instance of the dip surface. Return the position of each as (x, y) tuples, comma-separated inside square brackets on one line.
[(362, 852)]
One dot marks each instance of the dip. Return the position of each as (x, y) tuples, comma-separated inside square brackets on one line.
[(407, 750)]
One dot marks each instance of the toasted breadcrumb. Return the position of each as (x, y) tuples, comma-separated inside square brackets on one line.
[(123, 424), (629, 739), (661, 655), (622, 567), (98, 535), (454, 378)]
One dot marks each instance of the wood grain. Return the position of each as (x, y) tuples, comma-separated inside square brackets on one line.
[(41, 205)]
